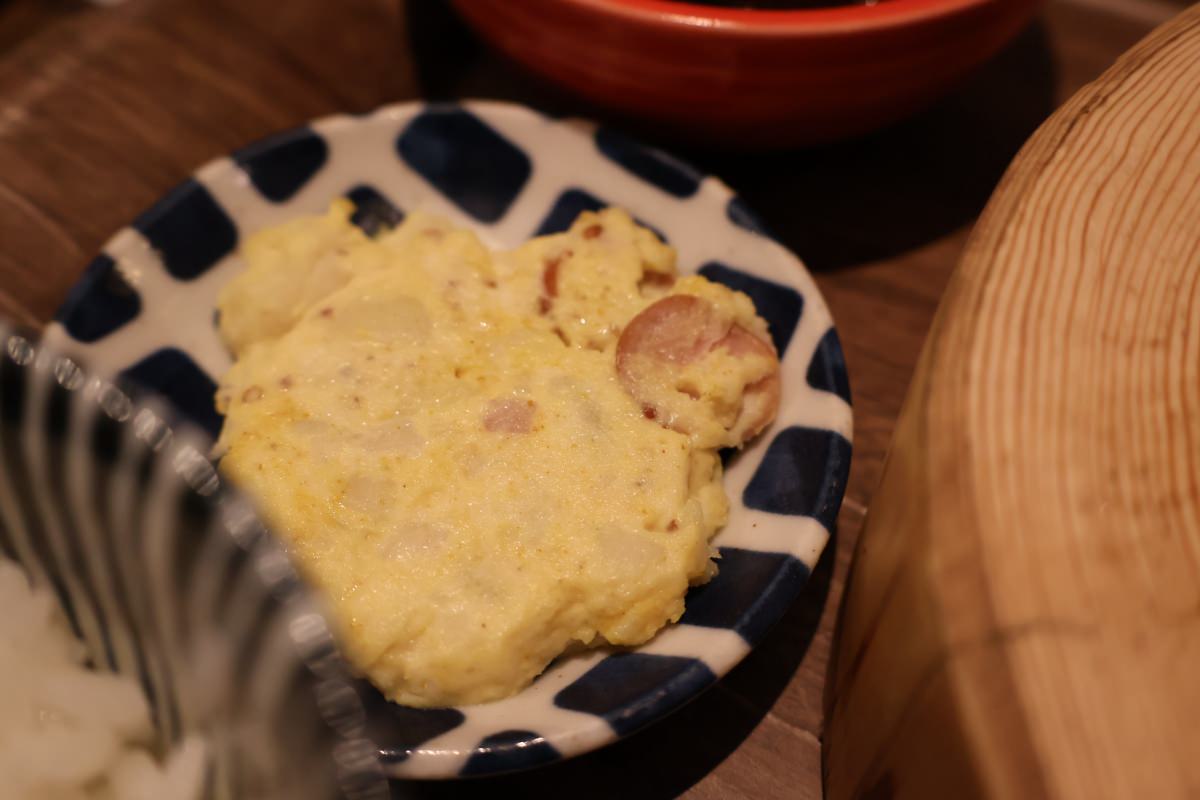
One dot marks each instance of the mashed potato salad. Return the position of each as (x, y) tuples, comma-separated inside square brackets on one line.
[(484, 458), (68, 732)]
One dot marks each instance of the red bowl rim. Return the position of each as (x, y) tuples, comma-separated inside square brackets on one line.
[(774, 22)]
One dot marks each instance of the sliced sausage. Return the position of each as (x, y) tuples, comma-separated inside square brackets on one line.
[(682, 329)]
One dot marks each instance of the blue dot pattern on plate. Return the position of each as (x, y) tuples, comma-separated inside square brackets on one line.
[(173, 374), (652, 166), (781, 306), (507, 751), (466, 160), (100, 303), (397, 729), (570, 204), (803, 472), (631, 689), (740, 214), (189, 229), (373, 212), (280, 165), (748, 582), (827, 370)]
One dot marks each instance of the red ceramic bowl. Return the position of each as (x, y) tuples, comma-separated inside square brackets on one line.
[(747, 77)]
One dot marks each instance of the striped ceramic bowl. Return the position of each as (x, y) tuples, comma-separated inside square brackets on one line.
[(167, 576)]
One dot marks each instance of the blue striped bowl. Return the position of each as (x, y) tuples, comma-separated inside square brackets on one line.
[(167, 576), (144, 309)]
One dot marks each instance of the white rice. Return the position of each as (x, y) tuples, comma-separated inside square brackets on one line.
[(67, 731)]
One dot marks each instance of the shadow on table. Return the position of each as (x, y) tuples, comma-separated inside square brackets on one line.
[(876, 197), (836, 205), (665, 759)]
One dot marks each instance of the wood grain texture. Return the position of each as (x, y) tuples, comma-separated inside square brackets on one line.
[(101, 111), (1023, 617), (105, 109)]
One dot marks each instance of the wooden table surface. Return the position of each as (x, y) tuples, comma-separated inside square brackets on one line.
[(101, 110)]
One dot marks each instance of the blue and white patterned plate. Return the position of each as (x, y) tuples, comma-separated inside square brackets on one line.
[(144, 308)]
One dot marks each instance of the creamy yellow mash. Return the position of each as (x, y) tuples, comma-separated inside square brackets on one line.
[(484, 458)]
